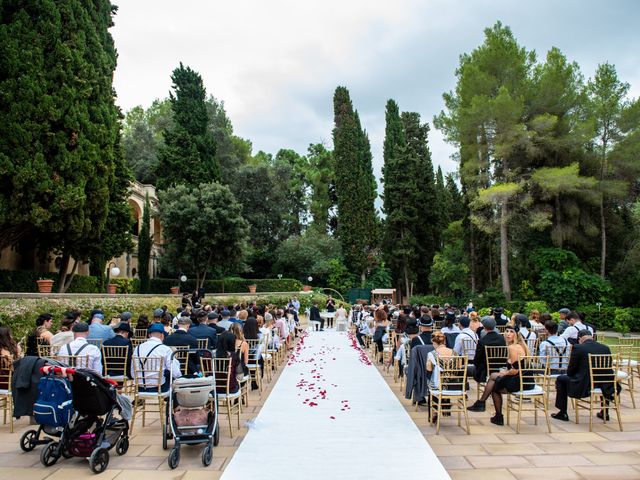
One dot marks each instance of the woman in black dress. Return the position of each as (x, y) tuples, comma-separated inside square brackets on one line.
[(507, 379)]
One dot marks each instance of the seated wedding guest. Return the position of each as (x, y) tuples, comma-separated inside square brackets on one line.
[(450, 324), (182, 338), (570, 333), (523, 327), (467, 341), (241, 345), (8, 346), (41, 334), (65, 335), (507, 379), (491, 338), (98, 331), (9, 352), (122, 339), (554, 346), (142, 323), (154, 348), (534, 320), (424, 338), (380, 317), (227, 349), (440, 350), (88, 356), (201, 330), (577, 381)]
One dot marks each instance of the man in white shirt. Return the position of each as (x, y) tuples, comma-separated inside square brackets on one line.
[(467, 340), (570, 333), (88, 356), (556, 347), (151, 349)]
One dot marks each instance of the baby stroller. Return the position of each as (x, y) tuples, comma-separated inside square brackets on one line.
[(192, 415), (42, 436), (93, 429)]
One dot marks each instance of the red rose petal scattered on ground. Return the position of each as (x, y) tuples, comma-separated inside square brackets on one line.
[(332, 417)]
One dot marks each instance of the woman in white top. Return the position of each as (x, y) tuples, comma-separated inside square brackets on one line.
[(65, 335)]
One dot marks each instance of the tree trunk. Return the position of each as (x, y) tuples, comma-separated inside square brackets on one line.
[(472, 257), (504, 252), (603, 235), (363, 278), (558, 221), (62, 272), (406, 281), (70, 276)]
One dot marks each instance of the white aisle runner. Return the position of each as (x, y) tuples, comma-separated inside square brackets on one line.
[(332, 416)]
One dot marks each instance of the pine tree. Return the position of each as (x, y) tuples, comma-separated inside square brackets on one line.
[(355, 185), (59, 127), (321, 181), (443, 204), (188, 154), (144, 247)]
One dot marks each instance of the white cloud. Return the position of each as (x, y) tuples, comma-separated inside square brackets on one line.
[(277, 63)]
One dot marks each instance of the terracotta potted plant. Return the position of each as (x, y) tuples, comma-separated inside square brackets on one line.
[(252, 288), (44, 285), (111, 288), (175, 290), (306, 288)]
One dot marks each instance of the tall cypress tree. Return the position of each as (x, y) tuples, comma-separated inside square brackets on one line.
[(144, 247), (188, 154), (400, 201), (426, 226), (355, 185), (59, 126)]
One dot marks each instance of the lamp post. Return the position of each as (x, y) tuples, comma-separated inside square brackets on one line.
[(181, 280), (112, 271)]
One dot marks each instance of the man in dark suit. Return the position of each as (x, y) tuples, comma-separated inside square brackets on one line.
[(490, 339), (314, 316), (123, 332), (202, 330), (182, 338), (577, 382)]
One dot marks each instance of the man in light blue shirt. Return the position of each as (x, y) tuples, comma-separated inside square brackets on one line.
[(98, 331), (225, 322)]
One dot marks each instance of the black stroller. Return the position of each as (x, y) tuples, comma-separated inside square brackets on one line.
[(93, 429)]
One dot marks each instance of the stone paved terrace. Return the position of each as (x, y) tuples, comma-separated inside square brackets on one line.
[(569, 452)]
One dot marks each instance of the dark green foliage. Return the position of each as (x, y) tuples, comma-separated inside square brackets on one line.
[(320, 177), (426, 229), (401, 200), (144, 247), (203, 229), (142, 138), (59, 125), (307, 255), (449, 270), (355, 186), (188, 154)]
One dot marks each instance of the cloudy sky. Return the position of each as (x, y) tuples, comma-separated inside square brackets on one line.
[(276, 63)]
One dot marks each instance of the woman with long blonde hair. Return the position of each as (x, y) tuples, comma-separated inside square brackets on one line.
[(508, 378)]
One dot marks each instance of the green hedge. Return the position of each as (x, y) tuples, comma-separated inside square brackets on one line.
[(20, 314), (25, 281), (229, 285)]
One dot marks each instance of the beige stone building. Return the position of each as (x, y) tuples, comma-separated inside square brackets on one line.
[(24, 255)]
